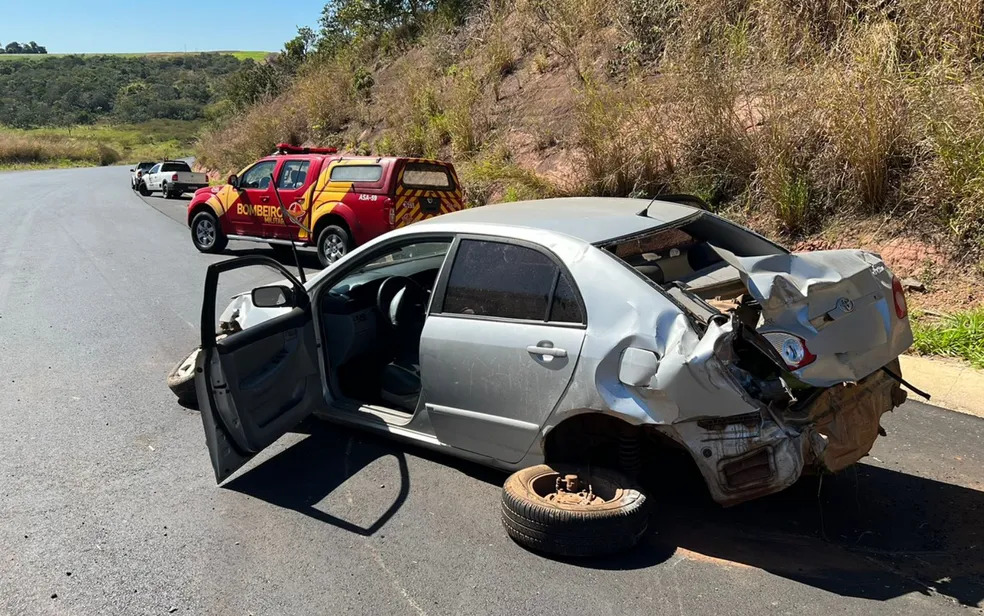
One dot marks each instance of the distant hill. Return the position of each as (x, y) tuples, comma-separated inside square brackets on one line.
[(71, 89), (256, 56)]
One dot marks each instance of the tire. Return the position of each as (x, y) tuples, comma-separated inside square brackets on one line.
[(181, 380), (334, 242), (570, 529), (205, 241), (164, 191), (144, 191)]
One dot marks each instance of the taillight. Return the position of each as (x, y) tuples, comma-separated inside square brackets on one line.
[(174, 178), (391, 212), (792, 349), (898, 296)]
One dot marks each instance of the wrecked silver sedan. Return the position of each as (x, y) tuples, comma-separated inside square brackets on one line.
[(567, 340)]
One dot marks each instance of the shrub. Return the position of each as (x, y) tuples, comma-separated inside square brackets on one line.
[(959, 335), (107, 155), (624, 144)]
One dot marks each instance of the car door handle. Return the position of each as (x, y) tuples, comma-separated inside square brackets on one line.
[(545, 350), (264, 199)]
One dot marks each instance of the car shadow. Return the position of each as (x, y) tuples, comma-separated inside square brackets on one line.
[(868, 532), (306, 473)]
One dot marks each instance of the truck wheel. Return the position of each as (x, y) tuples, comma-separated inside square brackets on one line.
[(567, 510), (206, 233), (333, 244), (181, 380), (164, 191), (144, 191)]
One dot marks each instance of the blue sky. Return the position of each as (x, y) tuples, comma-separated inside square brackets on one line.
[(81, 26)]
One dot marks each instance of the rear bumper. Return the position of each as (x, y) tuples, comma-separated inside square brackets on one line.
[(747, 456), (183, 188)]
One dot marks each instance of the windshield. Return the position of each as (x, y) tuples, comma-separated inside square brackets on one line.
[(427, 175), (403, 261)]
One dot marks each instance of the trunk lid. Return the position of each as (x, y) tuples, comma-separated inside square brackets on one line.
[(840, 303)]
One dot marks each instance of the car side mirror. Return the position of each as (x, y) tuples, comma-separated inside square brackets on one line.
[(273, 296), (132, 170), (233, 181)]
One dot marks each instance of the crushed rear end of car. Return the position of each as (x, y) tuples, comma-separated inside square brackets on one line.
[(786, 362)]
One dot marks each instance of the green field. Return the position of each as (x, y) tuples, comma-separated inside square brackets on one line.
[(97, 144), (257, 56)]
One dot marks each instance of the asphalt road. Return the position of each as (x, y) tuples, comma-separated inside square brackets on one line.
[(108, 505)]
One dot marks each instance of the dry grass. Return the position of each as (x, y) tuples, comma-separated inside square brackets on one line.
[(254, 134), (792, 112)]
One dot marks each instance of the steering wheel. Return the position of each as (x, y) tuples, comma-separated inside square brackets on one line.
[(401, 300)]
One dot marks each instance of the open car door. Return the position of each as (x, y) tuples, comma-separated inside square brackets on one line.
[(256, 384)]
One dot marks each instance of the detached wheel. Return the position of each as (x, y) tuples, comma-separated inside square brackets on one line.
[(334, 243), (181, 380), (206, 234), (143, 190), (567, 510)]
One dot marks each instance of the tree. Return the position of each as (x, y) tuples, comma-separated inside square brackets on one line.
[(14, 47), (297, 49)]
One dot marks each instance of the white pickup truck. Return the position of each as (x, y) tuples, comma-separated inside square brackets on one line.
[(171, 178), (137, 172)]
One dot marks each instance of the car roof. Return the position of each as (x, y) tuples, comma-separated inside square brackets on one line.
[(594, 220)]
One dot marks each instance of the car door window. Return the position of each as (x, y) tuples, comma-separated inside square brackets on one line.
[(500, 280), (404, 260), (258, 176), (566, 307), (356, 173), (293, 174), (155, 169)]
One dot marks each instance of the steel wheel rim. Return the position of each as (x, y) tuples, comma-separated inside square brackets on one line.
[(205, 232), (592, 492), (188, 365), (333, 248)]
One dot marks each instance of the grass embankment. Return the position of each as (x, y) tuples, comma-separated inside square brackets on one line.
[(959, 335), (100, 144), (783, 115)]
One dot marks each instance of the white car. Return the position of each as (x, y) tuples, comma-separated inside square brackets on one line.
[(171, 178), (573, 341), (138, 171)]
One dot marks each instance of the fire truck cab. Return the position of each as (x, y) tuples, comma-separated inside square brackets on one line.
[(334, 202)]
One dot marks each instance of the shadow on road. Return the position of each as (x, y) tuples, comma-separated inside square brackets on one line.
[(868, 532), (303, 475)]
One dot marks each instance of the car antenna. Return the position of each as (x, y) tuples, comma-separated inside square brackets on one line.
[(293, 247)]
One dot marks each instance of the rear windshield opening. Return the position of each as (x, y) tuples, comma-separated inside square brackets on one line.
[(427, 175), (175, 166), (684, 256)]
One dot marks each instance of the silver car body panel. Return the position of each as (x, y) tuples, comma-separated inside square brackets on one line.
[(839, 301)]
